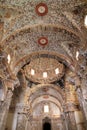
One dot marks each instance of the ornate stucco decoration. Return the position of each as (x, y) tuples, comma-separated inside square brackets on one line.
[(55, 39), (66, 14), (45, 70), (60, 30), (54, 11)]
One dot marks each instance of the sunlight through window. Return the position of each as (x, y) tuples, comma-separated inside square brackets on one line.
[(46, 109), (32, 72), (57, 71), (44, 74)]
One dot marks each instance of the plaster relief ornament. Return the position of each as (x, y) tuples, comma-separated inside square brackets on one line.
[(41, 9), (44, 69), (42, 41)]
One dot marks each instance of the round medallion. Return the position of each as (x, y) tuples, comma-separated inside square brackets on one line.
[(41, 9), (43, 41)]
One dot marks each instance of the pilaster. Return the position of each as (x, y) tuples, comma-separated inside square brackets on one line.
[(1, 29), (22, 116), (72, 110), (4, 108)]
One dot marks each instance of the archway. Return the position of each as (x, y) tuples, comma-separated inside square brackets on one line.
[(46, 126)]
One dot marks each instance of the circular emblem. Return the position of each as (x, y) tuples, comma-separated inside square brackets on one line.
[(41, 9), (43, 41)]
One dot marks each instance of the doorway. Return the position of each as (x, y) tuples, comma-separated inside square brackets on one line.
[(46, 126)]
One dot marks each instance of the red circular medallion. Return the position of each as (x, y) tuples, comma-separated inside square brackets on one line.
[(43, 41), (41, 9)]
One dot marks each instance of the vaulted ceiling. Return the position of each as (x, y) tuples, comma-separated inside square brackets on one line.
[(32, 27), (42, 36)]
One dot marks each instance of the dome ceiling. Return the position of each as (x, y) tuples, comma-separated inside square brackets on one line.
[(44, 70)]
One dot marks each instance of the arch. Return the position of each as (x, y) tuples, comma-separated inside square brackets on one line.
[(62, 58), (42, 86), (54, 93), (23, 60), (53, 110), (39, 26), (51, 99)]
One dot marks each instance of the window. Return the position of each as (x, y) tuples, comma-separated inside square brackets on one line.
[(46, 108)]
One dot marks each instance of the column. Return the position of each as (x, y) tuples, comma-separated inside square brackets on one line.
[(4, 108), (81, 91), (72, 104), (8, 85), (83, 104), (64, 120), (21, 122), (70, 117), (22, 113), (1, 29), (14, 124), (82, 73), (79, 120)]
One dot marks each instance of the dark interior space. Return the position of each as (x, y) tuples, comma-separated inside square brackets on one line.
[(46, 126)]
